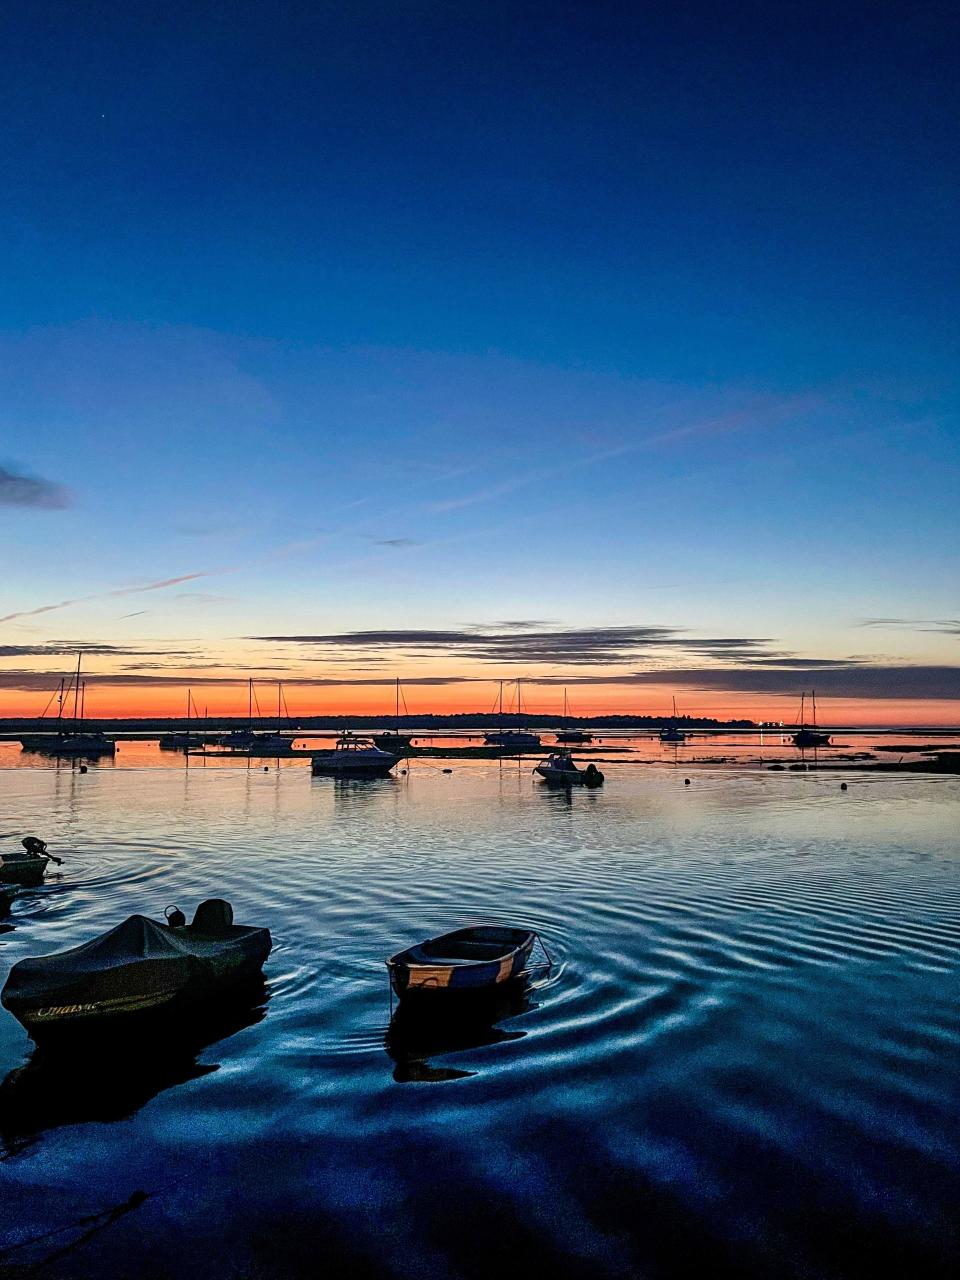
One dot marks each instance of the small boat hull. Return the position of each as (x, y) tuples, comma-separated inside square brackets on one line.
[(329, 768), (811, 738), (568, 774), (509, 738), (22, 868), (472, 962), (130, 975)]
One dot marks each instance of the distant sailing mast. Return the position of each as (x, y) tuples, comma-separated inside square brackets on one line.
[(810, 735), (393, 739), (670, 732), (572, 734), (518, 737)]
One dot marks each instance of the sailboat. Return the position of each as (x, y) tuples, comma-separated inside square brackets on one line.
[(179, 740), (264, 741), (670, 732), (511, 737), (573, 734), (808, 735), (393, 740), (76, 742), (242, 738)]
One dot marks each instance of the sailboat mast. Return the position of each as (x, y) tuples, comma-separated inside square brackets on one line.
[(76, 695), (813, 695), (83, 699), (397, 711), (279, 695), (250, 701)]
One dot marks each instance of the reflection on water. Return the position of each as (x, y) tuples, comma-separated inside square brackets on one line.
[(110, 1076), (417, 1033), (743, 1059)]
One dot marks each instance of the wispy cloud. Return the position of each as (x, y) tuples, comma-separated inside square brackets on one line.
[(160, 585), (19, 489), (519, 642), (937, 626)]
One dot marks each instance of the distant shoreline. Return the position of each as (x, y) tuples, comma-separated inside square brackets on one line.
[(12, 727)]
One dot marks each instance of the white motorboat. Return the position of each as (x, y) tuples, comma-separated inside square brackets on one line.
[(354, 757)]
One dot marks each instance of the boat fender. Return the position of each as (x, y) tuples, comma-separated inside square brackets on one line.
[(175, 917), (34, 846)]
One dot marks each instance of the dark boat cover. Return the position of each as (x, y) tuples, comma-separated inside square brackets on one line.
[(140, 961)]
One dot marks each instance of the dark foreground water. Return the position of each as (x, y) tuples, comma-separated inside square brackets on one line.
[(744, 1061)]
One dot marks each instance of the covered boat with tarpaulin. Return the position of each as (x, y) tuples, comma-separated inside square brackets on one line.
[(138, 969)]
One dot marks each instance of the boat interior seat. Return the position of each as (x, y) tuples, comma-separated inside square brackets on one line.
[(467, 953), (213, 916)]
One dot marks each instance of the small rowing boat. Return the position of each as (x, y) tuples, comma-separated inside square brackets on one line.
[(477, 959), (140, 967)]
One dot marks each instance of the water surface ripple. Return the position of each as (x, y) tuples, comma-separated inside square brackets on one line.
[(743, 1059)]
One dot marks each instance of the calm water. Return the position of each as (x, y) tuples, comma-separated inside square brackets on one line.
[(744, 1060)]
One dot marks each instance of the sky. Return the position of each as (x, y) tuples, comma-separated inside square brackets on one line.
[(609, 346)]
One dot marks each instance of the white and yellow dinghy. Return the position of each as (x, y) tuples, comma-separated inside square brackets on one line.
[(479, 958)]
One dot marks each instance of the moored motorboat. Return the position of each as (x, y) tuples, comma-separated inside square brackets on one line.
[(354, 757), (560, 769), (139, 968), (26, 867), (475, 960)]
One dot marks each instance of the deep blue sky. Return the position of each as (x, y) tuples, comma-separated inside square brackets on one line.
[(369, 303)]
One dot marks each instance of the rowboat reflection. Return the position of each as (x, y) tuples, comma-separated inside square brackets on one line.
[(416, 1035)]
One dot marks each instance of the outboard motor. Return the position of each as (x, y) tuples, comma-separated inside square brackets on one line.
[(34, 846), (175, 917), (213, 916), (592, 776)]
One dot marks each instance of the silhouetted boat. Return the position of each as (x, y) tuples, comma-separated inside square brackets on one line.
[(574, 733), (511, 737), (560, 769), (179, 740), (473, 960), (393, 740), (670, 732), (76, 742), (808, 735), (26, 867), (354, 757), (138, 969)]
